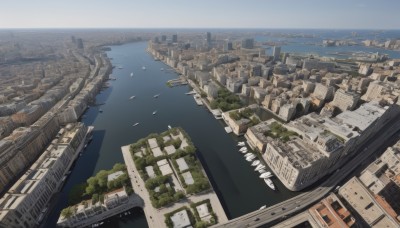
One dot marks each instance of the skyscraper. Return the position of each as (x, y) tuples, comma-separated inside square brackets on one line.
[(276, 53), (248, 43), (174, 38), (163, 38), (228, 45), (208, 37)]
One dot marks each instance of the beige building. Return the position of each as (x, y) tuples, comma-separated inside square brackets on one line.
[(324, 145), (365, 204)]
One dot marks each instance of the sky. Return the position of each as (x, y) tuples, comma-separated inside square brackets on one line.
[(327, 14)]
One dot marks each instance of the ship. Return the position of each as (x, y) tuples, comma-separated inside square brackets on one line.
[(143, 68), (131, 97), (135, 124), (269, 183), (132, 74), (154, 112), (157, 95)]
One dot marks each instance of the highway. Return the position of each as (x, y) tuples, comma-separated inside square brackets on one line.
[(280, 211)]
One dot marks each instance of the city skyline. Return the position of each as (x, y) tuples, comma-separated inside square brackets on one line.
[(311, 14)]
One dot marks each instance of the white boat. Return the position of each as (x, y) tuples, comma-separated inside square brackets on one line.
[(266, 175), (250, 158), (135, 124), (241, 144), (169, 127), (228, 129), (269, 183), (154, 112), (260, 166), (162, 69), (263, 207), (143, 68), (248, 154), (243, 148), (191, 92), (131, 97), (261, 171), (157, 95), (255, 163), (198, 100), (132, 74)]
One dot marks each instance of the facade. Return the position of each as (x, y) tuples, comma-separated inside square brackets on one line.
[(247, 43), (345, 100), (24, 205), (255, 135)]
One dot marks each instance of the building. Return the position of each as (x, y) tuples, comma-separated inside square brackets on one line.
[(330, 212), (362, 201), (208, 37), (247, 43), (174, 38), (276, 53), (345, 100), (25, 202), (310, 64), (324, 145), (255, 135), (228, 45)]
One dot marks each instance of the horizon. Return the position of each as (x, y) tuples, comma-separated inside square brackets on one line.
[(250, 14)]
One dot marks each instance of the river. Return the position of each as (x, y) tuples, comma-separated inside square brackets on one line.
[(238, 186)]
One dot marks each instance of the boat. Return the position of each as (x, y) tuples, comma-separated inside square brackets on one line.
[(263, 207), (248, 154), (260, 166), (135, 124), (261, 171), (162, 69), (157, 95), (131, 97), (241, 144), (228, 129), (154, 112), (250, 158), (255, 163), (266, 175), (269, 183), (100, 110), (198, 100), (243, 149), (132, 74), (120, 67), (169, 127), (191, 92), (143, 68)]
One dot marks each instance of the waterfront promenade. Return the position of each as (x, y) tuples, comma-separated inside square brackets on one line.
[(155, 217)]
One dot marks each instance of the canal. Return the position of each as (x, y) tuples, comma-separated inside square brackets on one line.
[(237, 185)]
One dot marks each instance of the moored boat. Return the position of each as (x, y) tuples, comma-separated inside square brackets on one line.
[(269, 183)]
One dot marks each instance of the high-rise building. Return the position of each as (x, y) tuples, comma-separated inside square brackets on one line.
[(248, 43), (174, 38), (163, 38), (208, 37), (228, 45), (276, 53)]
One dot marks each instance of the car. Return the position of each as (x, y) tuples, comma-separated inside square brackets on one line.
[(272, 213), (256, 219), (283, 208)]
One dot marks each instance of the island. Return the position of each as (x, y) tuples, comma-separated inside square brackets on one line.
[(166, 173)]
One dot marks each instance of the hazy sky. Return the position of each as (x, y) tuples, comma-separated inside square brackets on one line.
[(376, 14)]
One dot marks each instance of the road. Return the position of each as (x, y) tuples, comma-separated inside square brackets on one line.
[(296, 204)]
